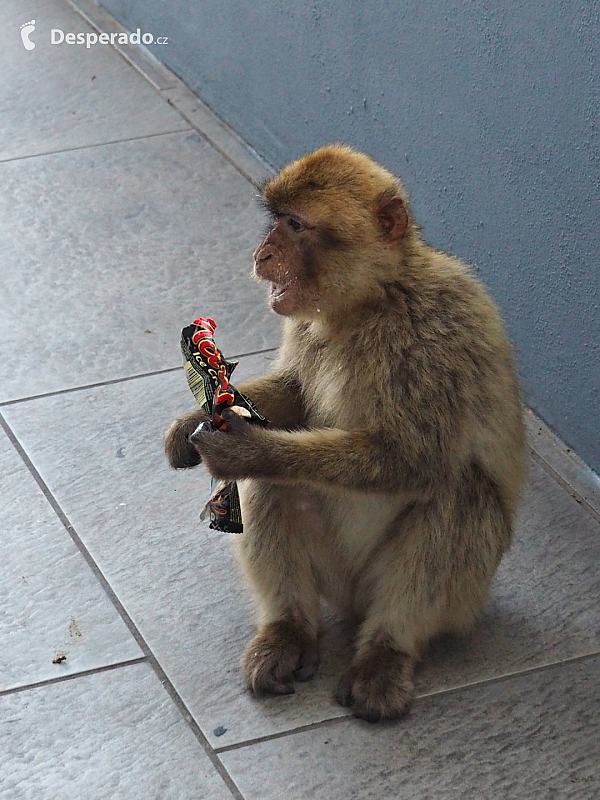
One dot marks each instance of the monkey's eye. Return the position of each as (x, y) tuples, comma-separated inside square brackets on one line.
[(295, 224)]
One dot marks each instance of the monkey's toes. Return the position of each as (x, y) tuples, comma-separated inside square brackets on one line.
[(343, 691), (280, 652), (308, 664), (378, 685), (377, 700)]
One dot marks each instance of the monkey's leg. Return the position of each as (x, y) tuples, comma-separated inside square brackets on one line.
[(274, 553), (433, 575)]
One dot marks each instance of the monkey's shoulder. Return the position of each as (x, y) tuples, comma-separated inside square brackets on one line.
[(445, 310)]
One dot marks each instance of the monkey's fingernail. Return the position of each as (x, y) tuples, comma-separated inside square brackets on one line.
[(240, 411), (204, 427)]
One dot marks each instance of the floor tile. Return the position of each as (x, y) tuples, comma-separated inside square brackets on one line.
[(57, 97), (51, 604), (101, 455), (532, 737), (117, 248), (110, 736), (139, 56), (140, 521), (545, 606)]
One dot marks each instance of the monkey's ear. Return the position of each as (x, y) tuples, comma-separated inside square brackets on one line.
[(392, 218)]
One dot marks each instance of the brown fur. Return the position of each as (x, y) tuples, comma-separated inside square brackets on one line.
[(389, 479)]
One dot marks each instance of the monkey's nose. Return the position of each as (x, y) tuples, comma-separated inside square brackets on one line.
[(263, 254)]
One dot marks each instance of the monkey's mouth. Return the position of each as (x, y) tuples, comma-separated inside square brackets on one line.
[(278, 290), (283, 297)]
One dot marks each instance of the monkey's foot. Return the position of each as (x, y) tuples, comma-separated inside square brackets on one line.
[(379, 684), (280, 653)]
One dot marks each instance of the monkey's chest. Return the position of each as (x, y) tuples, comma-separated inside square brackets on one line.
[(331, 399)]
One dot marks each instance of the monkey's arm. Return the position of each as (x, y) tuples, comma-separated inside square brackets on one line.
[(329, 456), (277, 397)]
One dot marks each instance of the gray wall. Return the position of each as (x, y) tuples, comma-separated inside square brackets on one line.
[(487, 109)]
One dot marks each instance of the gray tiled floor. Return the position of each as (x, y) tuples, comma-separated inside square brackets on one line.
[(104, 736), (60, 97), (112, 237), (530, 738), (111, 259)]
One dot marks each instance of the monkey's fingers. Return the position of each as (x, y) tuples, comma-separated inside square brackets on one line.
[(180, 452), (215, 449), (235, 418)]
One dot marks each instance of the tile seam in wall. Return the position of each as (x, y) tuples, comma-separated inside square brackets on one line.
[(180, 97), (139, 57), (98, 144), (149, 656), (563, 464), (567, 485)]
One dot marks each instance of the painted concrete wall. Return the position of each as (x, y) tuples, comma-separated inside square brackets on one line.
[(487, 110)]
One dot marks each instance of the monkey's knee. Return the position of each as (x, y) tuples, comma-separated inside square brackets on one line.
[(280, 653), (379, 683), (180, 452)]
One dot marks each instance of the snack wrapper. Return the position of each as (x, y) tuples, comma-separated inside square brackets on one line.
[(208, 376)]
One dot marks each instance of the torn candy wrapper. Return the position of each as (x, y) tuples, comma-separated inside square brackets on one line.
[(208, 376)]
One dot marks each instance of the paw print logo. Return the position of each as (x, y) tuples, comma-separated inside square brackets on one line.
[(26, 29)]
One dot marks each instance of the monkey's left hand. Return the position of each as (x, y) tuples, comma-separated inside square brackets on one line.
[(232, 454)]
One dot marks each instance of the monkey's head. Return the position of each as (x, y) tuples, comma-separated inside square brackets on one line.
[(339, 225)]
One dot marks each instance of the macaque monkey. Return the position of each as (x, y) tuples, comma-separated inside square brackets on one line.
[(388, 479)]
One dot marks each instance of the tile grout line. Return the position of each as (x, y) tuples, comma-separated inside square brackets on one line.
[(571, 490), (312, 726), (210, 141), (91, 146), (113, 381), (511, 675), (149, 656), (176, 82), (73, 676), (454, 690)]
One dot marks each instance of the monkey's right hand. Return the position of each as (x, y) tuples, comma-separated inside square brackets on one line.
[(180, 452)]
